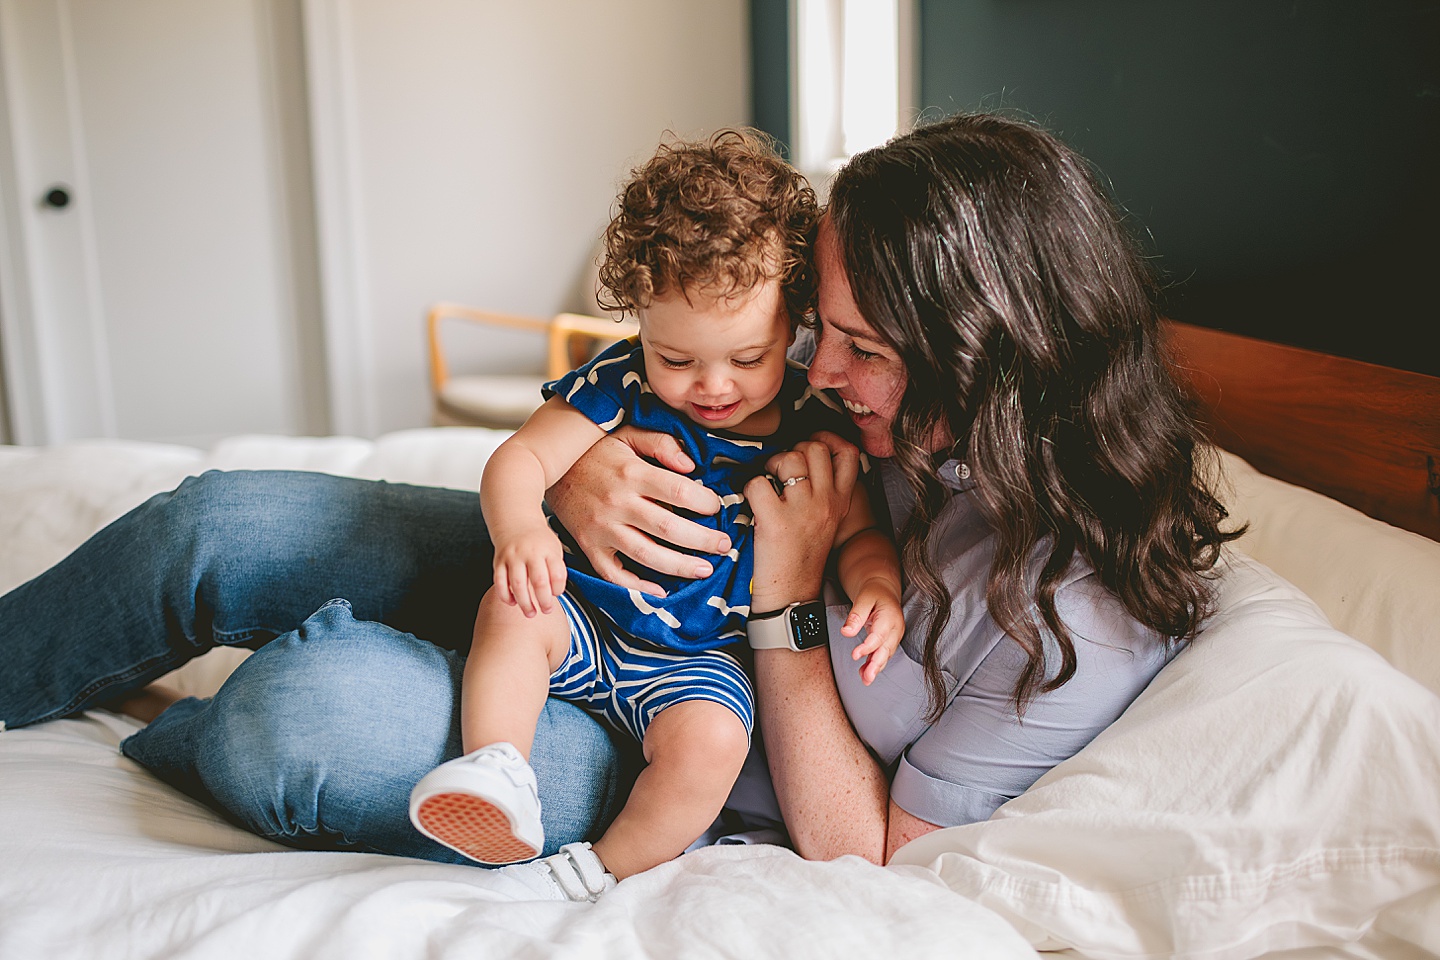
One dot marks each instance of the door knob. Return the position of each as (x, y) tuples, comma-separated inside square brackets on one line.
[(57, 197)]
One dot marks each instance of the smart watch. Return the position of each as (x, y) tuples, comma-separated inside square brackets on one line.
[(800, 626)]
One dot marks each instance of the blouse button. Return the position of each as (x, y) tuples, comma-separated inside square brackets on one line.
[(962, 471)]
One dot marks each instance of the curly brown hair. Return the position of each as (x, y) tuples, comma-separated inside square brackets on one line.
[(719, 215)]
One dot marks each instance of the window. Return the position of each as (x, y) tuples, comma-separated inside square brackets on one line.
[(852, 72)]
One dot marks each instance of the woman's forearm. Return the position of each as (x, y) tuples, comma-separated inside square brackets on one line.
[(833, 795)]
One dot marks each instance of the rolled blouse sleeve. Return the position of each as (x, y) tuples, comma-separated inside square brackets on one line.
[(979, 754)]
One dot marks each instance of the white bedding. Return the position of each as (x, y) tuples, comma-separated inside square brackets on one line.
[(101, 861), (1273, 792)]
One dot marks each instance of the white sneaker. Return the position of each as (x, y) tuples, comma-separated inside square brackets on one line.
[(485, 804), (575, 873)]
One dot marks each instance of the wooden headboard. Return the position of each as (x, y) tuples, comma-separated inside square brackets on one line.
[(1366, 435)]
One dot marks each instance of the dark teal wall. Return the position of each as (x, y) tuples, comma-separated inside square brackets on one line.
[(1280, 156), (770, 68)]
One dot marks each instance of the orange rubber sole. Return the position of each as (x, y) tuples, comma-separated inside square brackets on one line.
[(475, 827)]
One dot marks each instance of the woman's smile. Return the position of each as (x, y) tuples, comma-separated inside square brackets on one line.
[(857, 409), (850, 356)]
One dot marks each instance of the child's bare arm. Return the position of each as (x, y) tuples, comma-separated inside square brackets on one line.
[(529, 564), (870, 573)]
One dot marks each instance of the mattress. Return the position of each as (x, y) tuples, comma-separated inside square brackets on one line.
[(1260, 798)]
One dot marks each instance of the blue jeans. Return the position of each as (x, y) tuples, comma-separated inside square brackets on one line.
[(315, 740)]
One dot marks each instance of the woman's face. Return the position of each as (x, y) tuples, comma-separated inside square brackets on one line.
[(850, 357)]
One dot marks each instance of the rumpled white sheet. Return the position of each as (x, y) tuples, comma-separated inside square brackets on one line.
[(1185, 830), (98, 860), (1272, 789)]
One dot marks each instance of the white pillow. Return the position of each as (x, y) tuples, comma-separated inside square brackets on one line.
[(1274, 788), (433, 456), (1374, 581)]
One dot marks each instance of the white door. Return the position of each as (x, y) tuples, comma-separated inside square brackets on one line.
[(157, 275)]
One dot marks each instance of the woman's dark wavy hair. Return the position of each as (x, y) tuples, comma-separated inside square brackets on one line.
[(986, 253)]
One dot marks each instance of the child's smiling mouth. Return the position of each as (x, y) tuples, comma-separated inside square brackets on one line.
[(715, 413)]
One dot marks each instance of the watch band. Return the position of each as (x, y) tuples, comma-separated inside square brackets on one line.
[(799, 627)]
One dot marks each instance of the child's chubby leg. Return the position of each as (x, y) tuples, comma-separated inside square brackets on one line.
[(694, 750), (507, 674), (485, 804)]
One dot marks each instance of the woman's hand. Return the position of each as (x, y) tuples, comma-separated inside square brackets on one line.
[(615, 505), (795, 529)]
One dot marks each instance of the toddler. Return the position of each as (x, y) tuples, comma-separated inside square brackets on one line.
[(709, 249)]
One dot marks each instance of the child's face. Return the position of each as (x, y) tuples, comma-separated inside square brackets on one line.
[(719, 361)]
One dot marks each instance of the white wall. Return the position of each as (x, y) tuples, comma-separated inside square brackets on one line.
[(4, 413), (484, 142), (462, 150)]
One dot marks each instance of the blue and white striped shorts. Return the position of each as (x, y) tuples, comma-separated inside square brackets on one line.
[(626, 682)]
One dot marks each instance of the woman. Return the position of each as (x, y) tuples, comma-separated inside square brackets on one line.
[(991, 330)]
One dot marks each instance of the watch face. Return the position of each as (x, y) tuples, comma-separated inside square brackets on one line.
[(808, 626)]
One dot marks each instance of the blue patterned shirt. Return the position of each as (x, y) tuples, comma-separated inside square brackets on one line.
[(696, 614)]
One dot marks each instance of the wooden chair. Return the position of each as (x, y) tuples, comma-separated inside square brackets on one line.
[(505, 400)]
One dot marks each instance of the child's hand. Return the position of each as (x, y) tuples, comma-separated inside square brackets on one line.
[(877, 607), (530, 571)]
